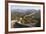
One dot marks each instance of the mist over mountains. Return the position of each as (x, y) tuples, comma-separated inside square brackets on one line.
[(24, 11)]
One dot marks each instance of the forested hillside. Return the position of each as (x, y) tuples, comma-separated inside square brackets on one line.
[(28, 16)]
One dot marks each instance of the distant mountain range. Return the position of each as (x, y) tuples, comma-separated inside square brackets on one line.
[(23, 12)]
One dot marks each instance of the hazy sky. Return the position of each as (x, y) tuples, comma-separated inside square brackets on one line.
[(24, 7)]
